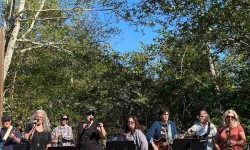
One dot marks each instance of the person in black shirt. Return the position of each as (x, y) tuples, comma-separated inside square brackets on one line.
[(37, 131), (9, 134), (89, 132)]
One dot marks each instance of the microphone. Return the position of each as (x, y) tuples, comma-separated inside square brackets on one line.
[(91, 119), (34, 122)]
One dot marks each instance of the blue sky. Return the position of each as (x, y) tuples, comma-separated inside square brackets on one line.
[(129, 40)]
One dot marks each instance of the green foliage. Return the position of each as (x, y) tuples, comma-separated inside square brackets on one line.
[(78, 71)]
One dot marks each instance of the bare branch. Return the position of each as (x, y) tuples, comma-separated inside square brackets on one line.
[(37, 43), (54, 18), (40, 45), (75, 10), (33, 22), (30, 48), (182, 59)]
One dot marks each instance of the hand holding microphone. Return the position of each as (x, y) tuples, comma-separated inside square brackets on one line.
[(34, 122)]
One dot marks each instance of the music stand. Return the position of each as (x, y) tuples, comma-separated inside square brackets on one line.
[(189, 144), (198, 144), (120, 145)]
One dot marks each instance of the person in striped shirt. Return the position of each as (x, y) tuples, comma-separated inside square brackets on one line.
[(63, 133)]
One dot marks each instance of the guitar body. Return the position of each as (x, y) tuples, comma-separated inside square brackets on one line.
[(161, 144)]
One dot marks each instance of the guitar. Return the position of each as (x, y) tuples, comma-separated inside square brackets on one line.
[(5, 141), (161, 144), (2, 144)]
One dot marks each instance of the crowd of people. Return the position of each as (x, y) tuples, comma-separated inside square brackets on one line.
[(161, 134)]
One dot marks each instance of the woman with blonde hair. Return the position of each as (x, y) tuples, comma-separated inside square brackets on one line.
[(231, 135), (37, 131)]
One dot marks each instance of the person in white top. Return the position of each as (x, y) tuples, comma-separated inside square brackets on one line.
[(204, 129), (63, 133)]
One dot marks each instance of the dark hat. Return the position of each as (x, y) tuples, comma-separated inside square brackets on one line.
[(89, 111), (6, 118)]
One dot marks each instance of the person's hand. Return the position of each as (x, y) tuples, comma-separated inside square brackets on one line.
[(12, 136), (59, 134), (231, 142), (100, 126), (181, 136), (154, 147)]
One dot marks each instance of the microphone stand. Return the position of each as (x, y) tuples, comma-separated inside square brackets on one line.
[(32, 131)]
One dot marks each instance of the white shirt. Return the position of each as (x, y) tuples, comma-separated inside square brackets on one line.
[(200, 130)]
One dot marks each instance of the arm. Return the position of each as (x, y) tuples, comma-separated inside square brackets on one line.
[(48, 143), (101, 130), (217, 142), (122, 136), (142, 140), (175, 134), (242, 140), (213, 130), (77, 142), (150, 135), (16, 137), (69, 135), (53, 135), (29, 130)]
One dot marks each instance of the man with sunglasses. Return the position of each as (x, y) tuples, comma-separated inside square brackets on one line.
[(9, 134), (62, 134), (204, 129)]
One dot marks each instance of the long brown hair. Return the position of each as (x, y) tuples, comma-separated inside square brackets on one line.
[(136, 123)]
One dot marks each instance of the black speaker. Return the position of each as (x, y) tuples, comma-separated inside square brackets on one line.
[(63, 148), (199, 144), (181, 144), (120, 145), (191, 144)]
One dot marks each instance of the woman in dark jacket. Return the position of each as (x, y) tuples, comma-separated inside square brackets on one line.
[(90, 132)]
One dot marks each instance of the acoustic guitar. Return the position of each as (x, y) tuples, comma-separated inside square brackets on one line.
[(161, 144), (5, 141)]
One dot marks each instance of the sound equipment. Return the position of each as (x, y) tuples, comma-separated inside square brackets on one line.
[(63, 148), (120, 145), (20, 147)]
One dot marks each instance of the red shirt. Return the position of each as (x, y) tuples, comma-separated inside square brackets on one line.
[(234, 135)]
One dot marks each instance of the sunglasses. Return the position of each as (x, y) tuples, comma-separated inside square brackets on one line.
[(166, 114), (232, 117), (131, 122), (90, 114)]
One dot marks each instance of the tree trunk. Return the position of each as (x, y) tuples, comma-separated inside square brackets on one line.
[(212, 69), (13, 39)]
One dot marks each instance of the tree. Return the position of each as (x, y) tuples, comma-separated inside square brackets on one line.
[(195, 37), (45, 42)]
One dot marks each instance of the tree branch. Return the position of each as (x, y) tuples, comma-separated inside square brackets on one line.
[(40, 45), (54, 18), (33, 22)]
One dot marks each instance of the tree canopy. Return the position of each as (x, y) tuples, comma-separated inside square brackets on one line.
[(58, 58)]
